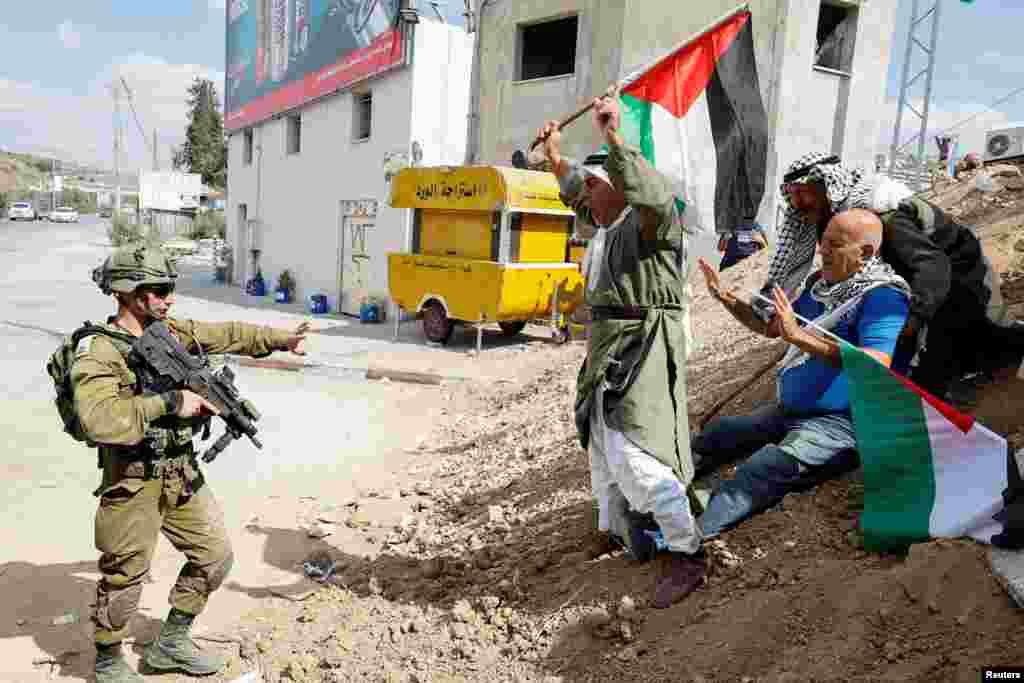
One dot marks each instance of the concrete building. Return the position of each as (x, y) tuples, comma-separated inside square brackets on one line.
[(822, 66), (308, 188)]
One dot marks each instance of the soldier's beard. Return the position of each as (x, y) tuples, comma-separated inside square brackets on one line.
[(155, 313), (146, 311)]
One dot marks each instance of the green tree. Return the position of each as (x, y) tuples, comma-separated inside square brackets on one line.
[(204, 150)]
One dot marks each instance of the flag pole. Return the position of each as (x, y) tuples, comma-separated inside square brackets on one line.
[(618, 85), (805, 321)]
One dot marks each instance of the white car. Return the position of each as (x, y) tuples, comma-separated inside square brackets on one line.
[(64, 214), (21, 211)]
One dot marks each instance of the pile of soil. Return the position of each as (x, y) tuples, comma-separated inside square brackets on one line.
[(497, 574)]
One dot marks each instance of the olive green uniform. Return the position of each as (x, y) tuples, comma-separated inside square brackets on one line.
[(151, 479), (643, 361), (631, 392)]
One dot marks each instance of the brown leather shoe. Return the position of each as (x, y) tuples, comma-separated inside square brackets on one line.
[(682, 575)]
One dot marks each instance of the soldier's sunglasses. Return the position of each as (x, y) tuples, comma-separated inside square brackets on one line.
[(160, 291)]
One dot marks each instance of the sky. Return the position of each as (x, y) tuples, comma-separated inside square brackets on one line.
[(979, 60), (58, 57)]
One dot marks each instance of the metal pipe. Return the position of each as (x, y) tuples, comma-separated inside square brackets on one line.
[(928, 79), (473, 122), (903, 90)]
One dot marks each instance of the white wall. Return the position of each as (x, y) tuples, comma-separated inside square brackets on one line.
[(442, 62), (808, 109), (300, 195), (866, 102), (820, 111)]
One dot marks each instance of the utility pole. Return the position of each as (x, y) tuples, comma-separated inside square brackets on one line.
[(917, 17), (117, 147)]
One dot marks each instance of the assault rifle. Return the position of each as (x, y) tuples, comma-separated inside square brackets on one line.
[(168, 366)]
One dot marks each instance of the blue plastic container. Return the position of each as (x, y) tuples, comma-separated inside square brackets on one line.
[(256, 287), (318, 304), (369, 313), (282, 296)]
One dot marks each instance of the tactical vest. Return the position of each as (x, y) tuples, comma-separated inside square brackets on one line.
[(168, 436)]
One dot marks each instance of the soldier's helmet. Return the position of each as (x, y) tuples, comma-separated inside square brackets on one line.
[(134, 265)]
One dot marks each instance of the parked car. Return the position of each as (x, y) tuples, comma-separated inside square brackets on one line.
[(64, 214), (21, 211)]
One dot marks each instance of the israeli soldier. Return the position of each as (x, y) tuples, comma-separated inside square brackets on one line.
[(151, 479)]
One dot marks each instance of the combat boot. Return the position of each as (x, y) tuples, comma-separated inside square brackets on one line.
[(112, 668), (175, 651)]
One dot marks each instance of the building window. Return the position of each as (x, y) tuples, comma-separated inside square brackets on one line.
[(294, 133), (837, 29), (548, 48), (247, 147), (362, 116)]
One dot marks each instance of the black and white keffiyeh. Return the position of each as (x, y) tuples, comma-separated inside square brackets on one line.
[(845, 188)]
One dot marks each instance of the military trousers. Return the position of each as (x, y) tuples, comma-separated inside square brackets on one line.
[(131, 515)]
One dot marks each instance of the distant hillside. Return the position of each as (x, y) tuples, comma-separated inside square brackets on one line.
[(21, 172)]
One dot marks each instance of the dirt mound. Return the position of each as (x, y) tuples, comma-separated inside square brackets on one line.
[(499, 576)]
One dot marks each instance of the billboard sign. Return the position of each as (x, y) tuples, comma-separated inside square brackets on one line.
[(283, 53), (169, 191)]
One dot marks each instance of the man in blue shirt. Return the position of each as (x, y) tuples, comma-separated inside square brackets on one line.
[(807, 434)]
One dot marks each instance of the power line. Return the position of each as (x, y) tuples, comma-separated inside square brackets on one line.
[(135, 115), (987, 109)]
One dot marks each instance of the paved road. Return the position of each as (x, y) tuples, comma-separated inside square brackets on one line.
[(319, 433)]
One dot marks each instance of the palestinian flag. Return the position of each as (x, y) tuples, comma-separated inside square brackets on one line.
[(698, 117), (929, 470)]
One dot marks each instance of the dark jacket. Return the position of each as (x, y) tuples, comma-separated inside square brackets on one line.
[(934, 254)]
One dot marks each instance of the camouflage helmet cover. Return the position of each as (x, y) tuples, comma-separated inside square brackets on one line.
[(134, 265)]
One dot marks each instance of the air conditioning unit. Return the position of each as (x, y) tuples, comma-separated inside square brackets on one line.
[(1005, 143)]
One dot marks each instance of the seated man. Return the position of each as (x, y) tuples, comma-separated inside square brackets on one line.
[(807, 435)]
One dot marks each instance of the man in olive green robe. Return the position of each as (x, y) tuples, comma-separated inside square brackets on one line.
[(631, 394)]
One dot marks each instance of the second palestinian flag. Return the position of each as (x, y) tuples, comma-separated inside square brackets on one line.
[(929, 470), (698, 117)]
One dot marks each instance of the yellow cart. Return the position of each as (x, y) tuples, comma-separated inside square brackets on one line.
[(489, 245)]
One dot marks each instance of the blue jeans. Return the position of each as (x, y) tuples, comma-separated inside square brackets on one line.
[(736, 251), (786, 454)]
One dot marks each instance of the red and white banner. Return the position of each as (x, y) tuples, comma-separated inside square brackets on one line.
[(382, 54)]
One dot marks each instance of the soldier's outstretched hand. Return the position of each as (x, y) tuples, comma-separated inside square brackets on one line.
[(297, 342)]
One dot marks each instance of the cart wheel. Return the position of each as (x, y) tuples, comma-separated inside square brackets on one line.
[(561, 335), (437, 327), (511, 328)]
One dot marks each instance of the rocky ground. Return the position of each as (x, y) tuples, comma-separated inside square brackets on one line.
[(494, 572)]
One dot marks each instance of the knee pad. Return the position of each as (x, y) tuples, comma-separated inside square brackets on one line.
[(207, 578), (114, 608), (219, 571)]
